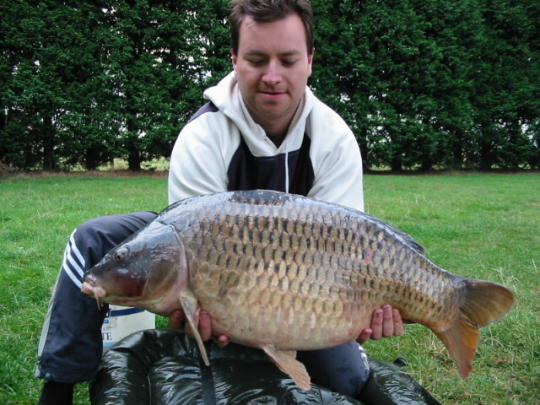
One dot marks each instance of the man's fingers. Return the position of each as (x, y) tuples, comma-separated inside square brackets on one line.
[(398, 323), (388, 321), (175, 320), (222, 341), (377, 324), (364, 336), (205, 325)]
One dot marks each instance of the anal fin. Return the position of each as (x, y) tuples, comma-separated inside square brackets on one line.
[(286, 362)]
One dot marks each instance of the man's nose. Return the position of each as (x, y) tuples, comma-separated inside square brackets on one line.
[(273, 73)]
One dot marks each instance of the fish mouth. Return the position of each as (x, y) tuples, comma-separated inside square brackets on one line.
[(89, 287), (99, 293)]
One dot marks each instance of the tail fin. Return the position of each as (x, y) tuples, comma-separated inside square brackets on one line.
[(483, 303)]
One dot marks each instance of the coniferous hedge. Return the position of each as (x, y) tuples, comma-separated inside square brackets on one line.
[(425, 84)]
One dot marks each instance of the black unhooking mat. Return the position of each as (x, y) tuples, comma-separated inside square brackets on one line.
[(160, 366)]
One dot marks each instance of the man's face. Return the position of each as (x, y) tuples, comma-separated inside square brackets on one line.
[(272, 67)]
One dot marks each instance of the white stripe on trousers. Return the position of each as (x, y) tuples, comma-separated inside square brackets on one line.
[(73, 270)]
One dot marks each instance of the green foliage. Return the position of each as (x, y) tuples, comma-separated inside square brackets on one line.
[(506, 90), (424, 84), (431, 84), (49, 59)]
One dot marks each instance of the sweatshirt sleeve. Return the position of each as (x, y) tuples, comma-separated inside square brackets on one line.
[(196, 166), (337, 162)]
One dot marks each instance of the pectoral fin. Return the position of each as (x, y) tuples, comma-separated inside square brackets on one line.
[(191, 310), (286, 362)]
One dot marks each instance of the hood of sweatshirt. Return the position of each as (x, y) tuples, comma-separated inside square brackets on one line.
[(227, 98)]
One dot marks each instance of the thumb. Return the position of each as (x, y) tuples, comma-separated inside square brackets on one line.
[(176, 320), (364, 336)]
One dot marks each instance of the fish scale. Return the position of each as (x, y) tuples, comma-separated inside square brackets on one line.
[(284, 272)]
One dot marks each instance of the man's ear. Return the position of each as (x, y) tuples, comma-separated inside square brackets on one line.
[(234, 59), (310, 60)]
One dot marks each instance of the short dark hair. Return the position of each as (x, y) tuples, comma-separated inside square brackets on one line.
[(269, 11)]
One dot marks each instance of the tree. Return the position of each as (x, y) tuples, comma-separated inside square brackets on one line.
[(423, 84), (51, 67), (506, 84), (159, 60)]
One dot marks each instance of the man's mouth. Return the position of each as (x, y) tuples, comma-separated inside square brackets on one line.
[(272, 93)]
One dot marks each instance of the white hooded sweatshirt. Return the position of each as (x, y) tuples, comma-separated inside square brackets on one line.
[(222, 149)]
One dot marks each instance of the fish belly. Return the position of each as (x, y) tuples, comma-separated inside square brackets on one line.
[(287, 319)]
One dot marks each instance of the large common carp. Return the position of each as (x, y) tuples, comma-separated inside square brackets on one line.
[(282, 273)]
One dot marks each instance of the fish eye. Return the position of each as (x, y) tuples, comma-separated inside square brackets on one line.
[(119, 256)]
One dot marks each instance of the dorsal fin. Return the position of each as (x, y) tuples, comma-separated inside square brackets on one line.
[(405, 237)]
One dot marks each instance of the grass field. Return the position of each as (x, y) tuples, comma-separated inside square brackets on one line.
[(477, 225)]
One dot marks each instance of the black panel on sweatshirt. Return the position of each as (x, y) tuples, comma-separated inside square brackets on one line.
[(248, 172)]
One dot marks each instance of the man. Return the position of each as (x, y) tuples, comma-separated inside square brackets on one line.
[(262, 128)]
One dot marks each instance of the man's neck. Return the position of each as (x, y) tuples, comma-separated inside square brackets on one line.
[(274, 129), (277, 138)]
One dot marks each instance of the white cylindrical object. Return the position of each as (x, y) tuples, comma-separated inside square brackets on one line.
[(123, 321)]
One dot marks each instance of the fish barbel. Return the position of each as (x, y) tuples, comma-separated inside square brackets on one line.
[(283, 273)]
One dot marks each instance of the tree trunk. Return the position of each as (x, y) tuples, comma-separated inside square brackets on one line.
[(48, 142), (134, 160)]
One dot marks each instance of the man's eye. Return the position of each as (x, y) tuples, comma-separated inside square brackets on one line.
[(288, 62), (256, 62)]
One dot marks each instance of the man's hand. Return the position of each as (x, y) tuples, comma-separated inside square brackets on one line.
[(385, 322), (177, 319)]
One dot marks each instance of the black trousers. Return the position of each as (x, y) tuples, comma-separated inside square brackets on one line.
[(70, 346)]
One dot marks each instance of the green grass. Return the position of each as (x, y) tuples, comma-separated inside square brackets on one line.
[(476, 225)]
